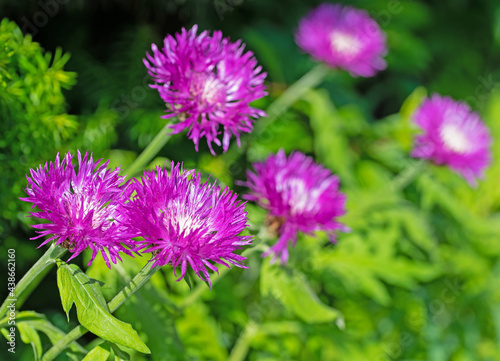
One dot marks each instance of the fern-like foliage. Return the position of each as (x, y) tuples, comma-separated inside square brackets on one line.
[(34, 122)]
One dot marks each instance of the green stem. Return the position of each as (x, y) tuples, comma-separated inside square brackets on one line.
[(293, 93), (240, 349), (137, 282), (279, 106), (64, 342), (31, 279), (150, 152), (403, 179), (201, 287)]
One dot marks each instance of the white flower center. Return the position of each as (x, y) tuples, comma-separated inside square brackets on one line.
[(300, 199), (455, 138), (212, 91), (188, 224), (99, 217), (345, 44), (209, 90)]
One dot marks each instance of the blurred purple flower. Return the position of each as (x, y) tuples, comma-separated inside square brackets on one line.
[(453, 135), (343, 37), (187, 223), (207, 82), (81, 206), (299, 194)]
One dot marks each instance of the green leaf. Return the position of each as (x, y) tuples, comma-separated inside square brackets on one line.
[(120, 354), (198, 327), (98, 353), (412, 103), (293, 290), (156, 319), (362, 263), (330, 143), (39, 322), (30, 336), (92, 310)]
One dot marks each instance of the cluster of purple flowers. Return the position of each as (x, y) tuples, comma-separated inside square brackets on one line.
[(175, 216), (208, 83), (179, 219)]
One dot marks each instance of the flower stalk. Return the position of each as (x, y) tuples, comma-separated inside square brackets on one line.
[(308, 81), (279, 106), (403, 179), (30, 280), (150, 152)]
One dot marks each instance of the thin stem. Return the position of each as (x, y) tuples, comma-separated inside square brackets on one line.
[(137, 282), (403, 179), (150, 152), (30, 280), (279, 106), (202, 287), (64, 342), (240, 349), (293, 93)]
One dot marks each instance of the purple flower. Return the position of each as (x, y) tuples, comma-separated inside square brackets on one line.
[(80, 206), (187, 223), (299, 194), (207, 82), (343, 37), (453, 135)]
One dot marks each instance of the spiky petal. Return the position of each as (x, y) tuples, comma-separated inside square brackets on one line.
[(80, 206), (452, 135), (343, 37), (185, 222), (207, 82)]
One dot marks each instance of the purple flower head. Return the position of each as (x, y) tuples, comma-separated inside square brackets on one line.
[(343, 37), (80, 206), (453, 135), (299, 194), (208, 83), (185, 222)]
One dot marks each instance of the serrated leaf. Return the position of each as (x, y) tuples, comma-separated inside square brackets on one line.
[(361, 268), (77, 288), (293, 290)]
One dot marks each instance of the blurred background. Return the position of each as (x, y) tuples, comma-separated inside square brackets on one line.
[(416, 279)]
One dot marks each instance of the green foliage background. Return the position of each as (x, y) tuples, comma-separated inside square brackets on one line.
[(418, 276)]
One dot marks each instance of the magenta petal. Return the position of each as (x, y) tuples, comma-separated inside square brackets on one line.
[(452, 135), (208, 82), (298, 193), (186, 222), (343, 37), (81, 206)]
